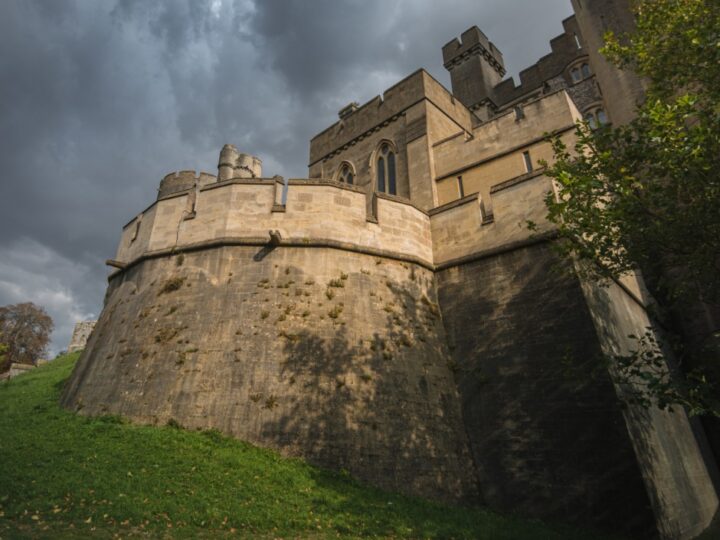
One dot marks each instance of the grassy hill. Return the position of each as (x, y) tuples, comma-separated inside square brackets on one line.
[(66, 476)]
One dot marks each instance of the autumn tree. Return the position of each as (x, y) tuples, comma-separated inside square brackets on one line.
[(646, 195), (25, 332)]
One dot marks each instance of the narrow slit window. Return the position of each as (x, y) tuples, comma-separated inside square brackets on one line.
[(386, 174), (381, 174), (391, 174), (528, 161), (461, 188), (346, 174), (577, 42)]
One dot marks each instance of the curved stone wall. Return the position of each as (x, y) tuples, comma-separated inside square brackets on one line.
[(336, 356), (314, 210)]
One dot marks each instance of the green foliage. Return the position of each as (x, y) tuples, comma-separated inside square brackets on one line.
[(68, 476), (676, 47), (646, 381), (25, 332), (647, 194)]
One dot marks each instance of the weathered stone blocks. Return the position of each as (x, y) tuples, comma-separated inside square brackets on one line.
[(338, 357)]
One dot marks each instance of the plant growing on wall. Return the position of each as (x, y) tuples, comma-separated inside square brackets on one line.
[(647, 194)]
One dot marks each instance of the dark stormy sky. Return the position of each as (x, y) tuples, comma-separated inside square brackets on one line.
[(101, 98)]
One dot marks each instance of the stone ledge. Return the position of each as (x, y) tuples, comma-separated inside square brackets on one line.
[(473, 197), (258, 241), (324, 182), (485, 253), (504, 153), (239, 181), (401, 200), (517, 180)]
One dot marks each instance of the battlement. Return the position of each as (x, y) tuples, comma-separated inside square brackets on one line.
[(325, 213), (565, 49), (233, 164), (314, 211), (473, 42), (395, 102), (179, 181)]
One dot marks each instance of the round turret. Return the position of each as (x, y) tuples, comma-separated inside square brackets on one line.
[(248, 166), (233, 164), (226, 165)]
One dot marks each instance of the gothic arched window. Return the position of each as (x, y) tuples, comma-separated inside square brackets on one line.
[(346, 174), (596, 117), (580, 72), (386, 178)]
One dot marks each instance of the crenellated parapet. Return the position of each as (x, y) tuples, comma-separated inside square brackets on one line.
[(313, 213), (473, 42), (305, 212), (233, 164), (176, 182)]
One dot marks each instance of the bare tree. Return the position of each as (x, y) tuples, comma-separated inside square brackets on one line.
[(25, 331)]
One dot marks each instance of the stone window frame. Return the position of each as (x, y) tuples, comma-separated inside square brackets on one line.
[(340, 175), (375, 158), (596, 115), (579, 70), (527, 161)]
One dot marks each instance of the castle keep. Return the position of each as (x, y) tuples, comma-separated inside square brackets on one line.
[(391, 314)]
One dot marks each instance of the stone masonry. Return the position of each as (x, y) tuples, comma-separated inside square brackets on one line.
[(81, 333)]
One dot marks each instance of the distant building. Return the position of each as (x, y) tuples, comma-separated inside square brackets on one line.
[(80, 335)]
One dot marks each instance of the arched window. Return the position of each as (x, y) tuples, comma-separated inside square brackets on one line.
[(580, 72), (596, 117), (590, 119), (386, 179), (346, 174)]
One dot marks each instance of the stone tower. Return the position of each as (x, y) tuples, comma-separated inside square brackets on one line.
[(476, 66)]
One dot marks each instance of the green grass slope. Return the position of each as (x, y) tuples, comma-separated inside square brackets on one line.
[(66, 476)]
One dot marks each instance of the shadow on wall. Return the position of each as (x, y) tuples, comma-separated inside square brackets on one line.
[(548, 440), (672, 450), (384, 409), (335, 357)]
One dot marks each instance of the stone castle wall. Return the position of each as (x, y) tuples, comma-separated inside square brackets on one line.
[(336, 356), (547, 439), (315, 211), (421, 351)]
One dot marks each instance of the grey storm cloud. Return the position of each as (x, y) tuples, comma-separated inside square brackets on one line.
[(100, 99)]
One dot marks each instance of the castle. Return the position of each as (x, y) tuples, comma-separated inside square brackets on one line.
[(391, 315)]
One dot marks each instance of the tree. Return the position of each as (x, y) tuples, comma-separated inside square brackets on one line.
[(25, 331), (647, 194)]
